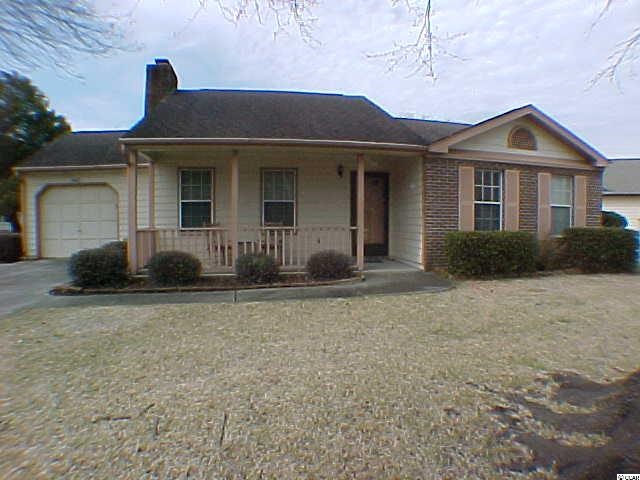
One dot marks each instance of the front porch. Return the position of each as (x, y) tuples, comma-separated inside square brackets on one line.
[(325, 200)]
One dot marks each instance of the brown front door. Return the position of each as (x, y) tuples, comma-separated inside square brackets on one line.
[(376, 213)]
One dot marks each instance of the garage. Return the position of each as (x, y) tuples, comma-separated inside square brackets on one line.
[(75, 217)]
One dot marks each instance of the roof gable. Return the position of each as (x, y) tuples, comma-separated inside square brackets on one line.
[(556, 139)]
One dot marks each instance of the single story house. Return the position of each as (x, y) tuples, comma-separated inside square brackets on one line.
[(222, 172), (621, 193)]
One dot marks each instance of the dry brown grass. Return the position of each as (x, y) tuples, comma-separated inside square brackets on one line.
[(378, 387)]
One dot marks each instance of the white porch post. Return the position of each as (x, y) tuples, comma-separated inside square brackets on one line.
[(233, 204), (360, 213), (151, 174), (132, 209)]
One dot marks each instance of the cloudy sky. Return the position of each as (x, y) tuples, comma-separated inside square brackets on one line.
[(492, 56)]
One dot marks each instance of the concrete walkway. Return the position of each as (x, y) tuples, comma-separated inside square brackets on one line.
[(26, 284)]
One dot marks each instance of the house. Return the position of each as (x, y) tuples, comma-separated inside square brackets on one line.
[(219, 173), (621, 192)]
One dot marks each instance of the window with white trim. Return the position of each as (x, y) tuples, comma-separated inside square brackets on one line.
[(561, 203), (196, 197), (279, 197), (488, 199)]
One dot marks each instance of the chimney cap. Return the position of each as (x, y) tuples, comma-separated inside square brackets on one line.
[(160, 61)]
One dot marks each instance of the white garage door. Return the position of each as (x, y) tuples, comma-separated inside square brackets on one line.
[(76, 217)]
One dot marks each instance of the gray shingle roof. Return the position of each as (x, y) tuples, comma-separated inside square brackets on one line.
[(622, 176), (433, 130), (77, 149), (271, 114)]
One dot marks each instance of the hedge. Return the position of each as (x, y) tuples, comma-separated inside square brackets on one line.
[(602, 249), (173, 268), (613, 219), (10, 247), (99, 267), (480, 254), (257, 268)]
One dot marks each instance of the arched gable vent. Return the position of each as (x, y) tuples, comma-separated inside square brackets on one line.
[(523, 139)]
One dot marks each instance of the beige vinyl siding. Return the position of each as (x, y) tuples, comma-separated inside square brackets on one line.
[(36, 182), (323, 198), (405, 210), (496, 140), (626, 205)]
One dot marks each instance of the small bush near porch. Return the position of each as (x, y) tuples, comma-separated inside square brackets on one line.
[(329, 265), (479, 254)]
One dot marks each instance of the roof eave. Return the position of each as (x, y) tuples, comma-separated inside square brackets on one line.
[(284, 142)]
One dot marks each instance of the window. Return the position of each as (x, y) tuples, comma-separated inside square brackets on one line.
[(523, 139), (279, 197), (488, 199), (196, 198), (561, 203)]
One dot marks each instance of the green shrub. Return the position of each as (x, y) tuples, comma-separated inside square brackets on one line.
[(613, 219), (257, 268), (118, 246), (604, 249), (329, 265), (551, 255), (480, 254), (98, 267), (10, 247), (173, 268)]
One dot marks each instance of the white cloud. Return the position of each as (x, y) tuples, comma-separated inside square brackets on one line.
[(514, 53)]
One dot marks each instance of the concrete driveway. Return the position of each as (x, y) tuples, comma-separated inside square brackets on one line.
[(26, 284)]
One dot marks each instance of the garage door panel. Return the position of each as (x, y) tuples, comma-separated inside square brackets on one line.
[(76, 217)]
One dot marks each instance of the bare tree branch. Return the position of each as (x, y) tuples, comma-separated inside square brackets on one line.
[(284, 14), (38, 32)]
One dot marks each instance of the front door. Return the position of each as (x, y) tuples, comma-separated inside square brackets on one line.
[(376, 213)]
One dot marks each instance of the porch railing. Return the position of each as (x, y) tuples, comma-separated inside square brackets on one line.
[(291, 246)]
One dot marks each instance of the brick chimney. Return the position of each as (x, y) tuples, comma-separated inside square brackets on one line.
[(161, 82)]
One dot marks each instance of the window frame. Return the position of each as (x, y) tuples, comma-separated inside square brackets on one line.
[(484, 202), (560, 205), (264, 171), (211, 201)]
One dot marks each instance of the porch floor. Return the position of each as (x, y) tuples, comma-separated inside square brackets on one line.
[(387, 265)]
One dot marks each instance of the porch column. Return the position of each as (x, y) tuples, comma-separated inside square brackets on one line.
[(151, 175), (360, 212), (233, 206), (132, 209)]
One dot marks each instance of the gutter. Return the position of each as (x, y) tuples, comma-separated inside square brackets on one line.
[(619, 193), (299, 142), (113, 166)]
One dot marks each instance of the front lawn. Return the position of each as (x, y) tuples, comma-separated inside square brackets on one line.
[(377, 387)]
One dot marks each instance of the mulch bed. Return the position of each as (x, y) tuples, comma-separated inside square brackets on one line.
[(203, 284), (614, 411)]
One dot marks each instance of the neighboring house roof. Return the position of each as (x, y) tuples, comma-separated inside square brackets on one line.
[(78, 149), (622, 177), (443, 145), (238, 114), (433, 130)]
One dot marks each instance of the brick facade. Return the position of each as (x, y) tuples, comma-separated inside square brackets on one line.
[(440, 179)]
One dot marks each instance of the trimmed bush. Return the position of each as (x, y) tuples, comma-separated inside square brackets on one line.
[(329, 265), (173, 268), (480, 254), (550, 255), (603, 249), (10, 247), (118, 246), (613, 219), (98, 267), (257, 268)]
